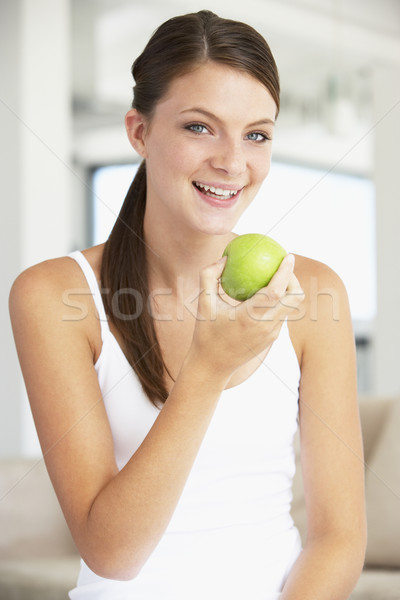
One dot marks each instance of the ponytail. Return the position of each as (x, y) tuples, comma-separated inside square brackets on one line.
[(124, 269), (176, 47)]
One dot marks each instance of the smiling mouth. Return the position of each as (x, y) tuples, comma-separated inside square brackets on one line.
[(215, 192)]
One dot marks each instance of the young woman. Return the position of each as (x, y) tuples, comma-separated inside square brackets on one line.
[(165, 411)]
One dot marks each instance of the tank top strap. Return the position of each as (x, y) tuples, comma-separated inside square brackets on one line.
[(84, 264)]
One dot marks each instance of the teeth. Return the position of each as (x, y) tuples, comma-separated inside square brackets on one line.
[(217, 191)]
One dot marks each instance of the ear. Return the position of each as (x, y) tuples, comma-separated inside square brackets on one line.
[(135, 127)]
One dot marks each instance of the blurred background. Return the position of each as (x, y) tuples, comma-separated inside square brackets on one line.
[(332, 193)]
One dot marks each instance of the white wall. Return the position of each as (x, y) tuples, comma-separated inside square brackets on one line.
[(10, 243), (35, 121)]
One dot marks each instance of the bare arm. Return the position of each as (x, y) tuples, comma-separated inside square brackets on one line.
[(331, 447), (117, 518)]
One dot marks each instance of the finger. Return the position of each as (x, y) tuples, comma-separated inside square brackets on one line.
[(294, 295), (294, 286), (210, 275), (209, 284), (269, 296), (281, 278)]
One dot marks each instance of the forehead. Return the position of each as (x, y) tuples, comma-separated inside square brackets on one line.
[(221, 89)]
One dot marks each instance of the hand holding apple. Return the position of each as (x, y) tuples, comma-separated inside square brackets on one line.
[(252, 260)]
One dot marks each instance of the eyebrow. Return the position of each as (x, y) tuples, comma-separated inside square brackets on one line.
[(266, 121)]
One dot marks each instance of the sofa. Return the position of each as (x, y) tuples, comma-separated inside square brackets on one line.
[(380, 422), (38, 559)]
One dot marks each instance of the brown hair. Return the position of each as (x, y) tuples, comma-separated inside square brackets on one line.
[(176, 47)]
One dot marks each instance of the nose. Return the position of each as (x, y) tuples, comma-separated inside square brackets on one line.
[(229, 156)]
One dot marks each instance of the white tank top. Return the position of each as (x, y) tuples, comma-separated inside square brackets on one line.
[(231, 535)]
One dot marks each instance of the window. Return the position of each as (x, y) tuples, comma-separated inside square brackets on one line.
[(110, 185), (326, 216), (323, 215)]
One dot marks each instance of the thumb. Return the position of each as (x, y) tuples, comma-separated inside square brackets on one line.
[(210, 275), (220, 266), (209, 278)]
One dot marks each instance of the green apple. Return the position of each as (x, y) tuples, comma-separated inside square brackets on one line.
[(253, 258)]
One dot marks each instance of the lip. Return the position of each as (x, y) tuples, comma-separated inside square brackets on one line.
[(223, 203)]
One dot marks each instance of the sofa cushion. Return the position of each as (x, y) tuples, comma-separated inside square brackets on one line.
[(380, 419), (377, 584), (374, 413), (38, 578), (382, 484), (32, 523)]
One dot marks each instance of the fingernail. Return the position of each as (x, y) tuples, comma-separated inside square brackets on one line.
[(290, 259), (221, 260)]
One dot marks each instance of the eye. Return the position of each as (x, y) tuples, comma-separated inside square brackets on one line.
[(196, 128), (258, 137)]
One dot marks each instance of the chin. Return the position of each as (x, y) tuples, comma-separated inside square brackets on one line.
[(217, 228), (216, 221)]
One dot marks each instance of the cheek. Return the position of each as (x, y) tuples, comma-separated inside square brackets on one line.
[(261, 167), (176, 154), (162, 160), (187, 159)]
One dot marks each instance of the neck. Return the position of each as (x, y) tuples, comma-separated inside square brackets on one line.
[(177, 259)]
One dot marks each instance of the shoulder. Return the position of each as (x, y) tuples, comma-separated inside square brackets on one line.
[(52, 279), (37, 301), (53, 298), (311, 273), (324, 289), (43, 282), (325, 313)]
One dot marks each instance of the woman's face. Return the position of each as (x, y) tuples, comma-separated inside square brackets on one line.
[(208, 148)]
